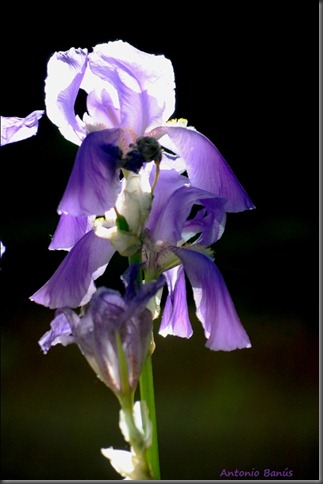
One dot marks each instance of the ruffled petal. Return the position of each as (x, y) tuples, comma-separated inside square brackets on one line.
[(16, 129), (175, 318), (65, 71), (72, 284), (146, 79), (94, 183), (214, 306), (135, 105), (206, 167)]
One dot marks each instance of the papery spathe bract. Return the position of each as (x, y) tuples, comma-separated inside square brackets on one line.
[(137, 429), (127, 464)]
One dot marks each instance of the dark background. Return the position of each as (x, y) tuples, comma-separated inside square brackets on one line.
[(244, 78)]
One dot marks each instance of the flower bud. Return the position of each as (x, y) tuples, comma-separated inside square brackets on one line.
[(114, 333)]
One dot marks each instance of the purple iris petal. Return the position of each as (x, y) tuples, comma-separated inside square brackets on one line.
[(65, 72), (110, 315), (168, 182), (94, 183), (72, 284), (131, 98), (138, 110), (69, 231), (143, 80), (16, 129), (173, 203), (206, 167), (214, 306), (102, 109), (60, 333), (209, 222), (175, 318)]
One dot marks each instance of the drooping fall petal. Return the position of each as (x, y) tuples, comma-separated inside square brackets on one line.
[(69, 231), (206, 167), (175, 317), (94, 183), (72, 284), (214, 306)]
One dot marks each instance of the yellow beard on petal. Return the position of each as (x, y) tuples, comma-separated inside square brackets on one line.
[(177, 122)]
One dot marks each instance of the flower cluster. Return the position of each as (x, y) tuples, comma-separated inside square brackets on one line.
[(136, 181), (147, 187)]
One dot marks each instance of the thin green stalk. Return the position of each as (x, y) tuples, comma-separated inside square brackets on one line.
[(147, 393)]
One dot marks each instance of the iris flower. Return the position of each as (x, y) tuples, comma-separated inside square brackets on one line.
[(130, 95)]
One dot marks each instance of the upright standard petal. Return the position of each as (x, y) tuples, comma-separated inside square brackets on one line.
[(65, 71), (102, 108), (214, 306), (138, 110), (206, 167), (16, 129), (72, 284), (94, 183), (148, 74)]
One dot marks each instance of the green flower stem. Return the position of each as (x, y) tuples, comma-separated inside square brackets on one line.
[(147, 393)]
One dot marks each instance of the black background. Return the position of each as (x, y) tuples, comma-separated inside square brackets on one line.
[(244, 78)]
